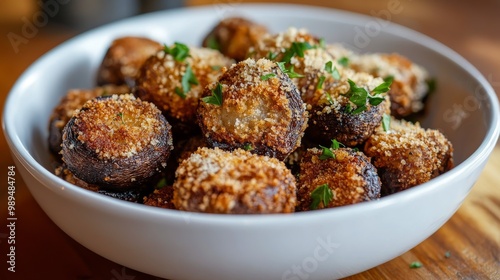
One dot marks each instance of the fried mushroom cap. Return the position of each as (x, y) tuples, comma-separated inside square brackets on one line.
[(133, 195), (349, 175), (331, 113), (408, 155), (234, 36), (124, 58), (410, 81), (117, 142), (237, 182), (160, 82), (261, 110), (72, 101), (162, 198)]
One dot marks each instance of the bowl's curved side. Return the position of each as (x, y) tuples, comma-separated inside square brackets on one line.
[(325, 244)]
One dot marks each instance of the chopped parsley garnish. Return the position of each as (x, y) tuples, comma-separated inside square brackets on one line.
[(386, 122), (120, 115), (322, 43), (213, 43), (289, 71), (322, 194), (216, 97), (389, 79), (272, 55), (297, 48), (332, 70), (320, 82), (344, 61), (447, 254), (248, 147), (415, 265), (162, 183), (359, 96), (329, 98), (267, 76), (431, 85), (179, 51), (188, 79), (105, 93), (327, 152)]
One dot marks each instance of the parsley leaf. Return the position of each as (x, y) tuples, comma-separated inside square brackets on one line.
[(272, 55), (322, 194), (179, 51), (329, 98), (326, 153), (213, 43), (322, 43), (320, 82), (344, 61), (248, 147), (359, 96), (386, 122), (297, 48), (289, 71), (216, 97), (382, 88), (336, 144), (415, 265), (188, 79), (267, 76)]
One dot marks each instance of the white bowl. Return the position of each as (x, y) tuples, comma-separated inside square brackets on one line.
[(322, 244)]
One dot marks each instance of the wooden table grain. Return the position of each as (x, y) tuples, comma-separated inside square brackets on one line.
[(466, 247)]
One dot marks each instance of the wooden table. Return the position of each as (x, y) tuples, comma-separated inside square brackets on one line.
[(466, 247)]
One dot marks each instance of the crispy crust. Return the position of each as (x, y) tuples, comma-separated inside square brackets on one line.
[(350, 176), (234, 37), (161, 198), (268, 114), (410, 80), (124, 58), (72, 101), (408, 155), (161, 75), (117, 142), (329, 117), (237, 182)]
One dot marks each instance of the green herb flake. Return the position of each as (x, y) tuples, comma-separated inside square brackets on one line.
[(326, 153), (382, 88), (179, 51), (216, 97), (320, 82), (120, 115), (162, 183), (336, 144), (289, 71), (322, 43), (248, 147), (267, 76), (389, 79), (344, 61), (322, 194), (272, 55), (357, 95), (297, 48), (188, 79), (447, 254), (386, 122), (213, 43), (329, 98), (416, 265)]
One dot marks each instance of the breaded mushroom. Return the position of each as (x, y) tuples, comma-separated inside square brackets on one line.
[(124, 58), (407, 155), (72, 101), (117, 142), (410, 81), (254, 106), (348, 107), (133, 195), (234, 36), (237, 182), (335, 177), (174, 79), (162, 197)]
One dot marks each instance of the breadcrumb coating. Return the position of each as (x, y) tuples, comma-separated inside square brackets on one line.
[(237, 182), (350, 176), (160, 198), (408, 155), (268, 115), (71, 102), (161, 74)]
